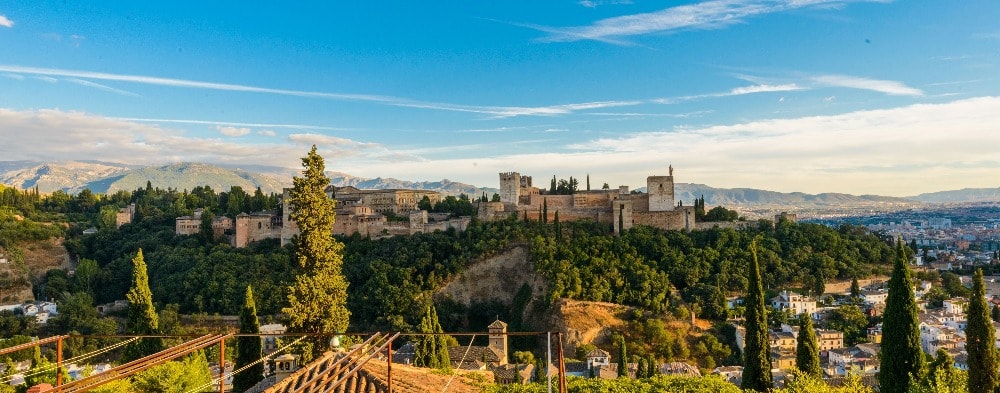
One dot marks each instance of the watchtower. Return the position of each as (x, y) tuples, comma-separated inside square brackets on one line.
[(661, 192), (498, 339), (510, 187)]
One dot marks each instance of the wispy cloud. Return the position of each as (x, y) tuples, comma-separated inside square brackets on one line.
[(266, 133), (491, 111), (228, 123), (882, 86), (233, 131), (704, 15), (101, 87), (598, 3), (5, 22)]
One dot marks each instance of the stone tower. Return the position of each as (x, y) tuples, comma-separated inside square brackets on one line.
[(498, 339), (510, 187), (661, 192), (242, 231), (622, 209)]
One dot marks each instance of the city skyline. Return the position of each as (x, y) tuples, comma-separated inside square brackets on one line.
[(860, 97)]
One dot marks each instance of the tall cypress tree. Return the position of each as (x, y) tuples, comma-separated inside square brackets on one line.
[(756, 353), (807, 349), (142, 318), (317, 300), (431, 350), (902, 359), (980, 340), (248, 347), (622, 358), (855, 287)]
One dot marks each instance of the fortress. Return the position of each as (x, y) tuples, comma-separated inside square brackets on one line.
[(367, 212), (620, 207)]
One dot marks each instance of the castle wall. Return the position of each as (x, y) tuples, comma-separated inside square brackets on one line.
[(680, 219), (186, 225)]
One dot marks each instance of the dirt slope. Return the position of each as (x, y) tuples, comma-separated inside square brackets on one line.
[(496, 278), (586, 322)]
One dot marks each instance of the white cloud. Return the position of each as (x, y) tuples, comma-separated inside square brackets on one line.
[(266, 133), (101, 87), (232, 131), (227, 123), (6, 22), (56, 135), (597, 3), (881, 86), (900, 151), (704, 15), (764, 89)]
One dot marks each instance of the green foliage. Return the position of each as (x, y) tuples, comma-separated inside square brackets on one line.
[(855, 287), (622, 358), (318, 297), (902, 359), (720, 213), (980, 340), (175, 376), (460, 206), (953, 285), (756, 356), (850, 320), (142, 318), (431, 350), (807, 349), (657, 384), (801, 382), (248, 347)]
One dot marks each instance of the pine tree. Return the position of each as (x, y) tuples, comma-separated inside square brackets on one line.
[(142, 318), (318, 297), (807, 349), (248, 347), (756, 353), (902, 358), (980, 340), (622, 358)]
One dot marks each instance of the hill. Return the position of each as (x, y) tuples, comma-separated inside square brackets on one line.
[(186, 176), (964, 195), (444, 186), (688, 192), (69, 176)]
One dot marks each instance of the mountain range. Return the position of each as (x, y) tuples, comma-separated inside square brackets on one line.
[(105, 177)]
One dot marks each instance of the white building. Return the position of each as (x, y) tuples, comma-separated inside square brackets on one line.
[(798, 304)]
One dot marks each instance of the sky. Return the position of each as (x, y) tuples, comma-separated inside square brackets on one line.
[(864, 97)]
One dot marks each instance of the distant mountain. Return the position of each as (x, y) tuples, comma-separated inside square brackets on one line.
[(186, 176), (749, 196), (959, 196), (69, 176), (445, 186), (101, 177)]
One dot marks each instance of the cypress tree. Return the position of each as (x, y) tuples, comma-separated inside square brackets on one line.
[(807, 349), (902, 359), (855, 287), (317, 300), (431, 350), (248, 347), (652, 368), (545, 211), (622, 358), (756, 354), (980, 340), (995, 313), (142, 318)]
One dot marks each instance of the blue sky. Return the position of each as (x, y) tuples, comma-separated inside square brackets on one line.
[(864, 97)]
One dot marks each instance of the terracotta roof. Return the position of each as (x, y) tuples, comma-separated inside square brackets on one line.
[(498, 324)]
